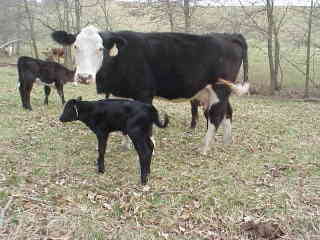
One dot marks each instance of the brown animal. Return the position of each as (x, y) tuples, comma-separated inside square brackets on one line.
[(46, 73)]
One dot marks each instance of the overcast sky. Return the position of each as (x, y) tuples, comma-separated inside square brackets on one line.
[(256, 2), (244, 2)]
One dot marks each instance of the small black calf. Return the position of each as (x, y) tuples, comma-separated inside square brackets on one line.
[(132, 118), (47, 73)]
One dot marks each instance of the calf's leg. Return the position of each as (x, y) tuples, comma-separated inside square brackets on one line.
[(143, 146), (102, 145), (23, 95), (227, 135), (194, 113), (47, 91), (27, 95), (60, 92)]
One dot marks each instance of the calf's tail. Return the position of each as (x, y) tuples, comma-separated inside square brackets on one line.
[(156, 120)]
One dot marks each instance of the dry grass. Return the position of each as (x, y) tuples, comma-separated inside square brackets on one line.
[(271, 173)]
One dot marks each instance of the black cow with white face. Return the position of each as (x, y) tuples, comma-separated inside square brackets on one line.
[(174, 66)]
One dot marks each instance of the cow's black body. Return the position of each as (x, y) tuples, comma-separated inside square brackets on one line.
[(49, 73), (168, 65)]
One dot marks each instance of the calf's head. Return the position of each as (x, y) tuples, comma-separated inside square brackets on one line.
[(91, 48), (70, 112)]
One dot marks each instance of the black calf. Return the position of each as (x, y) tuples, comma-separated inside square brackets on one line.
[(47, 73), (132, 118)]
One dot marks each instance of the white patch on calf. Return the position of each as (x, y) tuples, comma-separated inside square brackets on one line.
[(154, 144), (206, 96), (208, 138), (39, 82)]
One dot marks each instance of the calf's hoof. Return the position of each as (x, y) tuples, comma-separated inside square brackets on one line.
[(144, 180), (101, 170)]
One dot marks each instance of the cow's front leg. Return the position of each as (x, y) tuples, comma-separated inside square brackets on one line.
[(102, 145)]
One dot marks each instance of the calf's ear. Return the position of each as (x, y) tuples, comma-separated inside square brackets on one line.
[(63, 37)]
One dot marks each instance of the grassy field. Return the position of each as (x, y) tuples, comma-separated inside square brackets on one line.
[(267, 179)]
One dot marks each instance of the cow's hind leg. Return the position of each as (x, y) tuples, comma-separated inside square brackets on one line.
[(47, 91)]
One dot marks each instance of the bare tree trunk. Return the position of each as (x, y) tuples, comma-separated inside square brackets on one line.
[(187, 15), (67, 50), (306, 90), (32, 32), (170, 15), (276, 58), (105, 9), (18, 26), (273, 76), (77, 9), (57, 6)]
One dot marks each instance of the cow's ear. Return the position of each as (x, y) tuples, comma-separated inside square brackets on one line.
[(79, 98), (63, 37)]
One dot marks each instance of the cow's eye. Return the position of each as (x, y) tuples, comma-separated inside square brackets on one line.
[(101, 49), (75, 46)]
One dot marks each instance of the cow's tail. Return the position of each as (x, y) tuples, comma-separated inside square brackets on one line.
[(156, 120), (245, 64), (239, 89), (239, 38)]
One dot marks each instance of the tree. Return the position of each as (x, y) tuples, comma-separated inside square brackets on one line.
[(31, 28), (105, 8), (275, 22), (308, 49)]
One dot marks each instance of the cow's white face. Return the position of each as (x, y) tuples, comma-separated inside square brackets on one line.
[(88, 54)]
